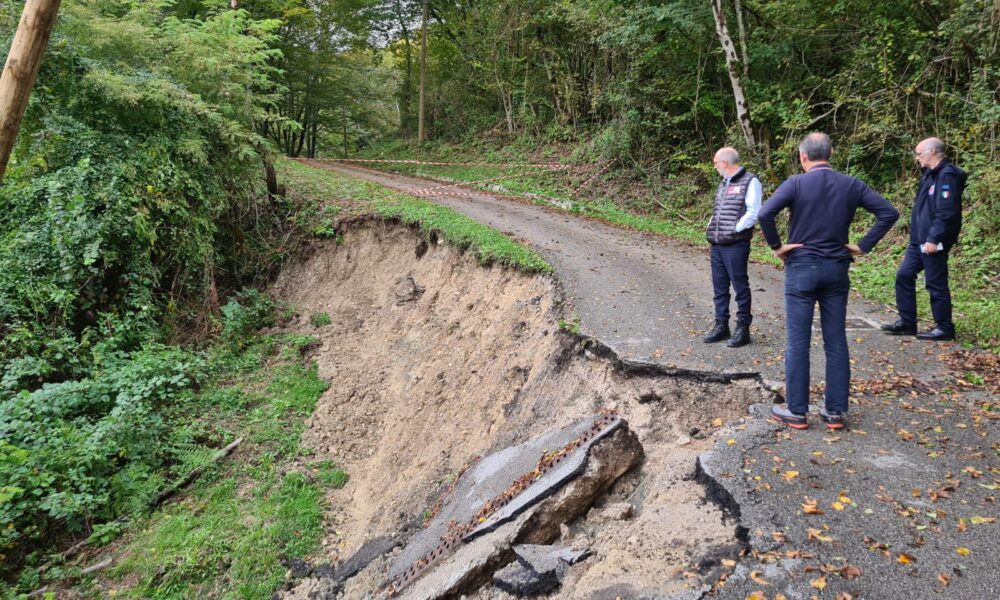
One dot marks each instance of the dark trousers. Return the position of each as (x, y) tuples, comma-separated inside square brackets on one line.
[(935, 268), (729, 266), (807, 282)]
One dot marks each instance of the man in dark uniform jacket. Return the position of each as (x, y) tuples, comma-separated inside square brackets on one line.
[(934, 226), (730, 230), (817, 258)]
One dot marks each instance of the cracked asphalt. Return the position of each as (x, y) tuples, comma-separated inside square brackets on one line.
[(907, 493)]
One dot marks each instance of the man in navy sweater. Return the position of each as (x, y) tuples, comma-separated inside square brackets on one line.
[(934, 226), (817, 257)]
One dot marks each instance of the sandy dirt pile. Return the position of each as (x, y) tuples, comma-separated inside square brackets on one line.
[(434, 360)]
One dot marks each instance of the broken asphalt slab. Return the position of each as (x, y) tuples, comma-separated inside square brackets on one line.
[(473, 563)]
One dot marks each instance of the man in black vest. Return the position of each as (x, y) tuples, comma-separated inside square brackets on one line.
[(737, 203), (934, 226), (817, 259)]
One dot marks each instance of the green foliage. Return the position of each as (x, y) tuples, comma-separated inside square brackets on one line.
[(246, 312), (434, 221), (85, 450), (320, 319)]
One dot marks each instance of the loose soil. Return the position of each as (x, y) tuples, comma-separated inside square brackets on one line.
[(434, 359)]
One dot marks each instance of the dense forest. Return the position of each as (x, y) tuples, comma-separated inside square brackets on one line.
[(140, 208)]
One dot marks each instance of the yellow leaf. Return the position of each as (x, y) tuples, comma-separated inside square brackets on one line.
[(758, 595), (963, 551), (838, 506), (730, 441), (790, 475), (809, 507), (756, 576), (819, 583), (717, 423), (905, 558)]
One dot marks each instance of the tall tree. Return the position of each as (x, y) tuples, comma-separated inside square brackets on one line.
[(423, 74), (23, 60), (735, 73)]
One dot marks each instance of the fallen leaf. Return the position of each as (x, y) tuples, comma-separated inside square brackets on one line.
[(758, 595), (905, 558), (963, 551), (730, 441), (756, 577), (789, 476), (810, 508), (982, 520), (838, 506), (728, 563), (817, 535), (819, 583), (844, 596), (850, 572), (717, 423), (778, 536)]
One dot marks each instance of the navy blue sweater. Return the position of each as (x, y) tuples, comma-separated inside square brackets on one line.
[(822, 204)]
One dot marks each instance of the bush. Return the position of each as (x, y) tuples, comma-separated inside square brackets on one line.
[(86, 450)]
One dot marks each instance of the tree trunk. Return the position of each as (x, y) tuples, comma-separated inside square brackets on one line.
[(744, 57), (735, 76), (406, 89), (345, 130), (423, 76), (26, 52)]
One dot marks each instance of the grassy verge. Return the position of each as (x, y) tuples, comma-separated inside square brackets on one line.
[(345, 196), (679, 211), (225, 534)]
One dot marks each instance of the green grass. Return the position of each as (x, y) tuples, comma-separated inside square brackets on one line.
[(223, 537), (678, 212), (320, 319), (352, 197)]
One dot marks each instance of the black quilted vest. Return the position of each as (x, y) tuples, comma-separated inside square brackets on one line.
[(730, 206)]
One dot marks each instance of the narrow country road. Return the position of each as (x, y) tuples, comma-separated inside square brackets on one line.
[(901, 504), (650, 298)]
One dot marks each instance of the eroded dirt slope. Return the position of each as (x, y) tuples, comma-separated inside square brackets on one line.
[(434, 359)]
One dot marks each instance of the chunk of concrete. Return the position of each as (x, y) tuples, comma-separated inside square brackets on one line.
[(472, 563), (542, 558), (490, 479), (519, 580)]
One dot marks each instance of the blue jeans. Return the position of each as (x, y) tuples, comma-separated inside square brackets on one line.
[(807, 282), (935, 268), (729, 266)]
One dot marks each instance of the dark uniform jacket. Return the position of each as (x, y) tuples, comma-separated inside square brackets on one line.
[(937, 209)]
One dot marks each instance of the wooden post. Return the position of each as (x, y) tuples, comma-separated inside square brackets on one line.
[(19, 73), (423, 76)]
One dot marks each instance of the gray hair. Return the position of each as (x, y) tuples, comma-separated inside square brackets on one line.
[(816, 146), (934, 144), (730, 155)]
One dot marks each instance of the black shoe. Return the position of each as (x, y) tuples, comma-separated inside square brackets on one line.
[(718, 333), (740, 338), (937, 335), (900, 328)]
